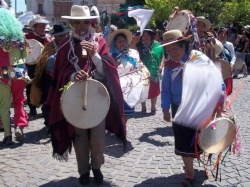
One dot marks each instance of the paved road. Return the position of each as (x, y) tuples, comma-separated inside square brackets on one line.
[(150, 160)]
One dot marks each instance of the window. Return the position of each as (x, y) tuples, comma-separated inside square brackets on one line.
[(40, 9)]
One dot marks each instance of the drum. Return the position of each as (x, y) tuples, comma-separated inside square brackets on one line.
[(180, 21), (217, 136), (35, 52), (225, 69), (239, 63), (135, 86), (85, 104)]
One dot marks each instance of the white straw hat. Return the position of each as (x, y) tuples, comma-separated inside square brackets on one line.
[(80, 12)]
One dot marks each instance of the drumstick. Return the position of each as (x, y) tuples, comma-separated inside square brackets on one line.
[(85, 86)]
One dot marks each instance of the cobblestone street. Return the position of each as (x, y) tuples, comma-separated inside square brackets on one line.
[(149, 161)]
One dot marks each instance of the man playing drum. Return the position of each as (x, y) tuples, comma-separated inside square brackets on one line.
[(37, 25), (81, 55)]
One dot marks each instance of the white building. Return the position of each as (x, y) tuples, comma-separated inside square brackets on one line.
[(54, 9)]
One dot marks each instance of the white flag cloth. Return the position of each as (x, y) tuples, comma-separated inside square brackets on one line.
[(142, 17), (4, 4), (202, 89), (26, 18)]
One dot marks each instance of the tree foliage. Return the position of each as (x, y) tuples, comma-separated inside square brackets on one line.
[(219, 12)]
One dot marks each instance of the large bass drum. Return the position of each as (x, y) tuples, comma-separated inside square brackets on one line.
[(217, 136), (85, 104)]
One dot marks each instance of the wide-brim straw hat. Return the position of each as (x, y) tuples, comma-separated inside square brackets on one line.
[(207, 23), (80, 12), (59, 30), (126, 32), (173, 36), (36, 20)]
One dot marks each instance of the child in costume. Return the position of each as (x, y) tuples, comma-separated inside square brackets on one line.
[(12, 74)]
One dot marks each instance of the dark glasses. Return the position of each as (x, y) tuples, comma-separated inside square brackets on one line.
[(78, 22)]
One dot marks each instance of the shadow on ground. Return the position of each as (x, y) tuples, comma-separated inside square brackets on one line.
[(174, 181), (163, 133), (115, 147), (73, 182)]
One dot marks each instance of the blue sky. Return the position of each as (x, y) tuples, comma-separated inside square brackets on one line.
[(21, 6)]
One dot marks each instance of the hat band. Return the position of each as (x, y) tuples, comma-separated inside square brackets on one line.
[(172, 40)]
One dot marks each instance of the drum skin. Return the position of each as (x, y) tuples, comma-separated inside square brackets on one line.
[(225, 69), (97, 104), (217, 136), (181, 21), (239, 63), (35, 52)]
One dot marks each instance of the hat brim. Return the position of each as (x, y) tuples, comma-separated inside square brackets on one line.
[(126, 32), (207, 23), (33, 22), (168, 43), (59, 33), (79, 17), (150, 31)]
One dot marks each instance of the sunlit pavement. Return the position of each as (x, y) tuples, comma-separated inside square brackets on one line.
[(148, 161)]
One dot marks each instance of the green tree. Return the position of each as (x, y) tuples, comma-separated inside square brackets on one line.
[(235, 12), (218, 12)]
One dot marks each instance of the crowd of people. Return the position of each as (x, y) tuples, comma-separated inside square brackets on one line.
[(130, 67)]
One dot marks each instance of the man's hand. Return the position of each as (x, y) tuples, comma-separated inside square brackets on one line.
[(81, 76), (90, 47)]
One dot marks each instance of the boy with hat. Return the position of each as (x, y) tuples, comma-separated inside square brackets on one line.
[(37, 25), (44, 70)]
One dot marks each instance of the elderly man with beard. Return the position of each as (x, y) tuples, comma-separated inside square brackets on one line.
[(81, 55)]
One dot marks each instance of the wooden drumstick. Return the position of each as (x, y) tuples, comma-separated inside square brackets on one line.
[(85, 94)]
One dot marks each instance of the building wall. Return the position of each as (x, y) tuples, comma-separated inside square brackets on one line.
[(53, 14)]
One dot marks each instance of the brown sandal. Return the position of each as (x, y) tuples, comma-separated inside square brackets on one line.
[(187, 182)]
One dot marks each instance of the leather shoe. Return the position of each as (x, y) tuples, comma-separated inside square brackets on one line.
[(84, 179), (98, 177)]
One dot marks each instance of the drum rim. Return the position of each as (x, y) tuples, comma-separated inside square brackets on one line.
[(207, 126), (71, 84), (39, 57), (184, 13)]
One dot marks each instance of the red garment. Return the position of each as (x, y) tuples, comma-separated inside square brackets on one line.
[(5, 58), (43, 40), (229, 85), (154, 89), (17, 90), (62, 133)]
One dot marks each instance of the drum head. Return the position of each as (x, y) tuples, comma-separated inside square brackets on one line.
[(217, 136), (225, 69), (35, 51), (181, 21), (97, 104), (239, 63)]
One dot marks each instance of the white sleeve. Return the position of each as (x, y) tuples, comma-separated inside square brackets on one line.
[(97, 60), (230, 47)]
